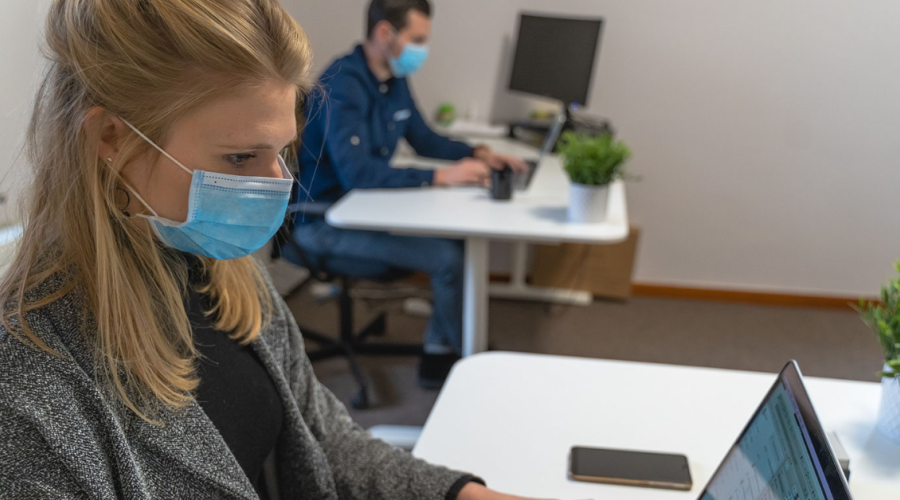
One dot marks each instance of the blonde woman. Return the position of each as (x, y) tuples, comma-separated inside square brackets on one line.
[(143, 353)]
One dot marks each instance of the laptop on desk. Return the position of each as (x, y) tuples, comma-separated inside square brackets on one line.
[(523, 180), (782, 453)]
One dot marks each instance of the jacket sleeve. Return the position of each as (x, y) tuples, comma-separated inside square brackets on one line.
[(350, 148), (29, 468), (363, 467), (37, 458), (430, 144)]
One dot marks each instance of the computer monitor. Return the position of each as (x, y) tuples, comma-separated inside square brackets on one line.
[(783, 452), (555, 57)]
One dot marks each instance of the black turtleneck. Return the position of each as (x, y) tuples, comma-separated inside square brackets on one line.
[(236, 392)]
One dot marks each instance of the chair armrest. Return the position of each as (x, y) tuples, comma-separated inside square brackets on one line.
[(310, 208)]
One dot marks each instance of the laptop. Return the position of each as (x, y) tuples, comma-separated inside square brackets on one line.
[(782, 454), (523, 180)]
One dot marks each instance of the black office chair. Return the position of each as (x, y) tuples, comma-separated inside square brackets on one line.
[(345, 272)]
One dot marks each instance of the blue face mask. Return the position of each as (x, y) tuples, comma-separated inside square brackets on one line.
[(229, 216), (409, 61)]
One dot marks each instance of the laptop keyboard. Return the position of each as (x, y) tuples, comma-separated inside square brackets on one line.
[(523, 180)]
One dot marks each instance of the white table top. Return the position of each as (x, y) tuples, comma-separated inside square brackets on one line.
[(511, 418), (538, 214)]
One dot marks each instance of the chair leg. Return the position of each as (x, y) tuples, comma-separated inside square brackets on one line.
[(328, 352), (361, 400), (389, 349), (333, 348), (318, 337), (350, 344), (377, 328), (346, 312)]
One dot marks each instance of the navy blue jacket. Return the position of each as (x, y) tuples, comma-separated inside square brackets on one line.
[(360, 120)]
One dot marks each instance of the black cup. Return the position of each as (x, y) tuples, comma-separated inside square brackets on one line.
[(502, 184)]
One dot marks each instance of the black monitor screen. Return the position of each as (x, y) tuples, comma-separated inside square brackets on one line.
[(555, 57)]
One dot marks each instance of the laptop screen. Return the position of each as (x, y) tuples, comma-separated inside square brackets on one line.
[(774, 458)]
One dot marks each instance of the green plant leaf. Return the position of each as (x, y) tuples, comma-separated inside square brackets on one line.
[(593, 161), (884, 320)]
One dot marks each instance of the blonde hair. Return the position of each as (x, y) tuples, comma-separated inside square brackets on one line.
[(149, 62)]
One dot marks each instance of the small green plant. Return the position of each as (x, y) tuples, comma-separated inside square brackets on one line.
[(884, 319), (593, 161), (446, 114)]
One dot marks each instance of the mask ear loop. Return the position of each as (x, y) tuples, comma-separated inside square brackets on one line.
[(395, 38), (161, 150)]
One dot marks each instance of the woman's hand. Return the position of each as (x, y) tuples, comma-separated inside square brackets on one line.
[(475, 491)]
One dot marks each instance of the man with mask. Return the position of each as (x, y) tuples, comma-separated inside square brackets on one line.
[(361, 109)]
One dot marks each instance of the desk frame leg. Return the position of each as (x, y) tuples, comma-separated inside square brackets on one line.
[(517, 289), (475, 300)]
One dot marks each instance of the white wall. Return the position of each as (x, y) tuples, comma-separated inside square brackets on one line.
[(20, 24), (765, 131)]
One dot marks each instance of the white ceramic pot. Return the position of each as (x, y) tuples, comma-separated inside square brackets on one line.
[(889, 414), (587, 203)]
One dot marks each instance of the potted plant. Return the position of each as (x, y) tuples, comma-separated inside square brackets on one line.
[(592, 163), (884, 319)]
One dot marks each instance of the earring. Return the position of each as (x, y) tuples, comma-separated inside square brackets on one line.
[(109, 160), (124, 209)]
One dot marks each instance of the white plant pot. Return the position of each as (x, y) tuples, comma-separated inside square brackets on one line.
[(587, 203), (889, 414)]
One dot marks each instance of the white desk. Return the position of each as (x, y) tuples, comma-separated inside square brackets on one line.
[(536, 215), (511, 419)]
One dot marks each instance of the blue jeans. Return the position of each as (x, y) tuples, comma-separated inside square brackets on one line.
[(441, 259)]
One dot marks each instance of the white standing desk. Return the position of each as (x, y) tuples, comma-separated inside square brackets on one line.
[(511, 419), (536, 215)]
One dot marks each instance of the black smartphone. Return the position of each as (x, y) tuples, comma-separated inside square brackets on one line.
[(630, 468)]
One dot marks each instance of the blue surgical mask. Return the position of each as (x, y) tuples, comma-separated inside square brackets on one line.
[(229, 216), (409, 61)]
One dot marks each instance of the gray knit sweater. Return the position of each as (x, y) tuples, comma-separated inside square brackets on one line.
[(62, 437)]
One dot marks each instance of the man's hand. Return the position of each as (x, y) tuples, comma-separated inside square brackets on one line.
[(466, 172), (498, 161), (475, 491)]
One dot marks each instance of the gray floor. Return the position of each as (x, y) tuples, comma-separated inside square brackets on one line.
[(825, 342)]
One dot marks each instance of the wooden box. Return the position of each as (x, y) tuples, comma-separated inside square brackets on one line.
[(604, 270)]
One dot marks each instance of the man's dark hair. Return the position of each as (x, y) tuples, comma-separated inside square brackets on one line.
[(394, 12)]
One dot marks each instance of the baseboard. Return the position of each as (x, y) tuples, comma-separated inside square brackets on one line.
[(763, 298), (713, 295)]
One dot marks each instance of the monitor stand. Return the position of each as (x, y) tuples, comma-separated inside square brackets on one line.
[(542, 126), (566, 119)]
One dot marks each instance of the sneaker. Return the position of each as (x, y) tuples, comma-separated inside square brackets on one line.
[(434, 369)]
